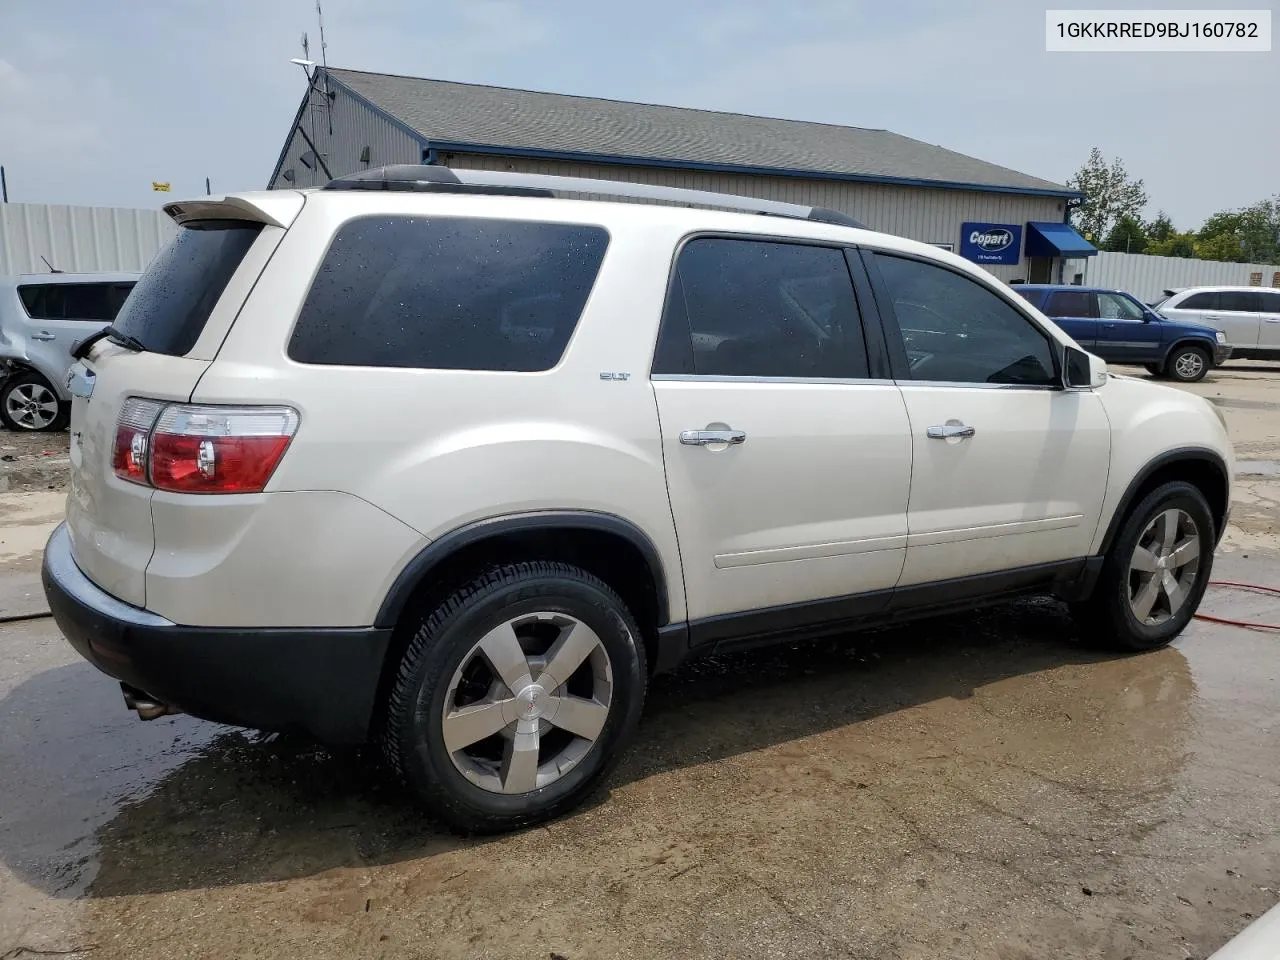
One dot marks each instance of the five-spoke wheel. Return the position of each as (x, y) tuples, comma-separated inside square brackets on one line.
[(1155, 572), (515, 696)]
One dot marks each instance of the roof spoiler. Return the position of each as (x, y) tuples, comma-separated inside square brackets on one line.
[(277, 208), (436, 179)]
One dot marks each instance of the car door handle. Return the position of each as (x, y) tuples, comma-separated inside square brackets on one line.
[(1272, 319), (948, 431), (44, 335), (703, 438)]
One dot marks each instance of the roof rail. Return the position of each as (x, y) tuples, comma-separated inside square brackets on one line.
[(437, 179)]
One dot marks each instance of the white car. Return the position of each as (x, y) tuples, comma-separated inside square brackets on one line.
[(1249, 316), (43, 318), (441, 459)]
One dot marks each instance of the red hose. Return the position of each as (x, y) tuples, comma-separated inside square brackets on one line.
[(1241, 623)]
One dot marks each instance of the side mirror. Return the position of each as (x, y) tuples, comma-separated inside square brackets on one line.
[(1082, 371)]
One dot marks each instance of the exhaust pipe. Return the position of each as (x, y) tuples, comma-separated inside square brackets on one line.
[(144, 705)]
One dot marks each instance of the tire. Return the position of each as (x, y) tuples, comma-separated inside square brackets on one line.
[(1155, 369), (478, 787), (1188, 364), (1110, 618), (29, 404)]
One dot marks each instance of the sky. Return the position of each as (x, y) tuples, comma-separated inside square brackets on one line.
[(98, 99)]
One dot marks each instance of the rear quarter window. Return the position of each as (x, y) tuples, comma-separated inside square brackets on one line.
[(170, 305), (96, 302), (448, 294)]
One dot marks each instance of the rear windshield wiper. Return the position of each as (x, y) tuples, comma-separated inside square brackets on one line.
[(125, 340)]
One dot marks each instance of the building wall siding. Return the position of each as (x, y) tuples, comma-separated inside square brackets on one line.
[(355, 127), (79, 239), (1148, 277), (920, 213)]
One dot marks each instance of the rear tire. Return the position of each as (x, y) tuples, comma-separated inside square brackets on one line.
[(29, 404), (1155, 575), (1188, 364), (1155, 369), (476, 723)]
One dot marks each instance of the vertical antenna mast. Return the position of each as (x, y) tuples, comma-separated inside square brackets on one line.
[(324, 63)]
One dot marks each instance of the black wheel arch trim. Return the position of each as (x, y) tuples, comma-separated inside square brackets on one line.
[(438, 551), (1199, 343), (1201, 454)]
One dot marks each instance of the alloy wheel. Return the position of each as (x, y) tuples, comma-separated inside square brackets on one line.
[(527, 702), (32, 406), (1162, 571), (1189, 365)]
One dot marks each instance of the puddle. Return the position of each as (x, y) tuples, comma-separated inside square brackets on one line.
[(1258, 468), (1239, 403)]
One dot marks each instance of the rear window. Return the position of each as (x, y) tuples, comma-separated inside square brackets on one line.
[(172, 302), (98, 302), (1071, 303), (1197, 301), (448, 294)]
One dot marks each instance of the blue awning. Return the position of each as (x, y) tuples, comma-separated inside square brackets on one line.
[(1056, 240)]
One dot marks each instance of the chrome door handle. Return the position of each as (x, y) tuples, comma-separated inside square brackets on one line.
[(703, 438), (949, 430), (44, 335)]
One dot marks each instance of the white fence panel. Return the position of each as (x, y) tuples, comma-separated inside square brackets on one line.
[(1148, 277), (79, 239)]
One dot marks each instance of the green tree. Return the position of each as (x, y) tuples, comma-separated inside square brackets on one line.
[(1127, 236), (1174, 245), (1250, 234), (1160, 229), (1109, 193)]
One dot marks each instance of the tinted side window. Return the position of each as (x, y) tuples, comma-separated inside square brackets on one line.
[(1237, 301), (763, 309), (171, 303), (956, 330), (73, 301), (448, 293), (1072, 303), (1269, 302), (1198, 301)]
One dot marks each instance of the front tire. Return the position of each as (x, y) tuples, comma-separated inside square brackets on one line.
[(1153, 579), (29, 404), (1188, 364), (516, 696)]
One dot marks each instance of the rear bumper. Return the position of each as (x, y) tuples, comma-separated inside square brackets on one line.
[(319, 681)]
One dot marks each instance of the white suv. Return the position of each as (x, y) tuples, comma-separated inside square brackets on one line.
[(440, 459), (1249, 316)]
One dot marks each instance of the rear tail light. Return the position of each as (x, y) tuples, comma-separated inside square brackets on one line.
[(133, 438), (201, 449)]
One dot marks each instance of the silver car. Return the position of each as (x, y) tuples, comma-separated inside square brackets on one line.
[(42, 319), (1249, 316)]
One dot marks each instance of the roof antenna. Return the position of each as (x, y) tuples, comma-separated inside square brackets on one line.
[(324, 65), (52, 268)]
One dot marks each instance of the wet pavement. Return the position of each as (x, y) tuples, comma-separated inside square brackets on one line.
[(978, 786)]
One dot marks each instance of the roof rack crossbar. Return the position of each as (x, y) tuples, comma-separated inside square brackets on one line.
[(427, 178)]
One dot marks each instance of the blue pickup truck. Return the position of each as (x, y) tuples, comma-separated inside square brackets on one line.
[(1121, 329)]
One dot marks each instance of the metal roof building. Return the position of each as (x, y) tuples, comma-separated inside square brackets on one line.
[(351, 120)]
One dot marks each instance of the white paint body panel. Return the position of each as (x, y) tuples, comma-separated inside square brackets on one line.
[(813, 503), (1026, 489)]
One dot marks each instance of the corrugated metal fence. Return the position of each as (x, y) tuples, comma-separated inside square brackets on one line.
[(79, 239), (1148, 277)]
